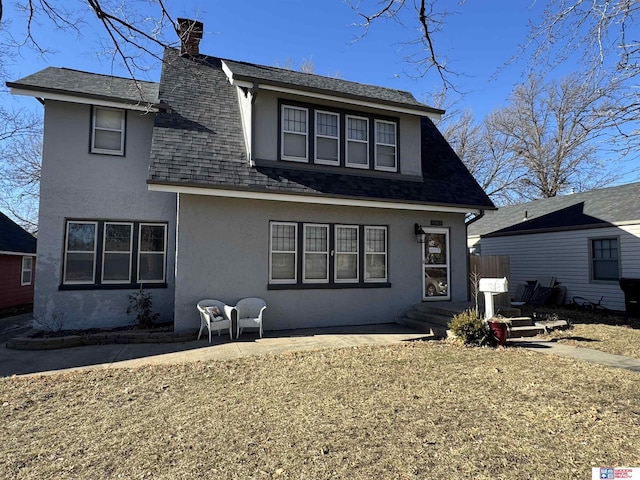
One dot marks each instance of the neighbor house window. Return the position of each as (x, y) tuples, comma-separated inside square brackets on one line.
[(375, 242), (107, 133), (347, 252), (331, 255), (122, 253), (605, 259), (80, 253), (386, 146), (316, 254), (27, 271), (327, 138), (294, 133), (357, 142)]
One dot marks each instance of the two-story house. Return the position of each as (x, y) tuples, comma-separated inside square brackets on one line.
[(339, 203)]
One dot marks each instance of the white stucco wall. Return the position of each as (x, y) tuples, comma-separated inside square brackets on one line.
[(565, 255), (223, 253), (266, 136), (79, 185)]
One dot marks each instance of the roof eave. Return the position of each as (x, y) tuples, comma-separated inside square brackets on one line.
[(75, 97), (294, 197)]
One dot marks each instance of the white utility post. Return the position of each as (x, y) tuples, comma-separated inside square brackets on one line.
[(491, 287)]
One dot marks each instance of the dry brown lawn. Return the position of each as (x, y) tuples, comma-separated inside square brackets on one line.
[(418, 410), (612, 333)]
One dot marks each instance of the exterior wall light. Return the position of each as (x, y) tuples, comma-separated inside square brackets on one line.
[(420, 233)]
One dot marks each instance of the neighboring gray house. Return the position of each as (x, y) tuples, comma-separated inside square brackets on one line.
[(232, 180), (588, 241)]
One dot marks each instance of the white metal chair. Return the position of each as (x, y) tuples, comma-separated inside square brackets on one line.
[(250, 314), (212, 322)]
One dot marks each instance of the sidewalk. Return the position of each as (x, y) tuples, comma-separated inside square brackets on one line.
[(24, 362)]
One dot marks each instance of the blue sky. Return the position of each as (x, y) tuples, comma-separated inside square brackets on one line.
[(477, 39)]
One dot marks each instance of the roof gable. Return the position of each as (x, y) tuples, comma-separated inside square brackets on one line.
[(14, 238), (596, 208)]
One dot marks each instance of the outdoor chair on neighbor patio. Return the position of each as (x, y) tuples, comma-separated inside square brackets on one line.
[(215, 315), (250, 314)]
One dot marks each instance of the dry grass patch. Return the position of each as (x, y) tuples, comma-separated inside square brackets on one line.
[(416, 410)]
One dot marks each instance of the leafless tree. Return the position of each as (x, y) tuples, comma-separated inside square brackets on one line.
[(551, 138)]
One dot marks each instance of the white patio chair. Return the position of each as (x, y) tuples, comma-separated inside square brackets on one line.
[(250, 314), (216, 323)]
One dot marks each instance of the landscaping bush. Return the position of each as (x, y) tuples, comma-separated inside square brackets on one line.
[(471, 329)]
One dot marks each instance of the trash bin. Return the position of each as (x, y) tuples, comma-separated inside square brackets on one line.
[(631, 289)]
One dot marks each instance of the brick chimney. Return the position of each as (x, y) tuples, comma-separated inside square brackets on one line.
[(190, 33)]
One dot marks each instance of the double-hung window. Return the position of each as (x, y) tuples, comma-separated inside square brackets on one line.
[(327, 255), (295, 128), (27, 271), (114, 254), (346, 253), (605, 259), (283, 258), (327, 138), (386, 158), (80, 253), (375, 242), (316, 253), (107, 132), (357, 142)]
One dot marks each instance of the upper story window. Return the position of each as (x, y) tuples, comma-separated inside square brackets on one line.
[(338, 138), (357, 142), (294, 133), (327, 138), (605, 259), (107, 132), (386, 146)]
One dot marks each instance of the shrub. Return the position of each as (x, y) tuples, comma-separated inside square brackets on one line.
[(141, 304), (471, 329)]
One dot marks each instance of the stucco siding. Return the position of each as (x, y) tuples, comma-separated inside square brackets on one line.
[(267, 129), (565, 255), (223, 253), (79, 185)]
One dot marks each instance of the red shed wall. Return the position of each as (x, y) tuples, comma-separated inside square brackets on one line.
[(11, 292)]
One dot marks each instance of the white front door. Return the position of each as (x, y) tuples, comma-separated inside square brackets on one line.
[(435, 261)]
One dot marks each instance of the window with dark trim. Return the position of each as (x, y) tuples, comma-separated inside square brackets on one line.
[(108, 131), (114, 254), (327, 255), (605, 259), (338, 137)]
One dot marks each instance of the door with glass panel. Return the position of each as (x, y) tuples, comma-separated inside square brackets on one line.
[(435, 262)]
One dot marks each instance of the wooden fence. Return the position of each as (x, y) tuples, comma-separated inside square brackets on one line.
[(489, 266)]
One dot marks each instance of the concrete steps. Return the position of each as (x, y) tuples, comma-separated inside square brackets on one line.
[(433, 318)]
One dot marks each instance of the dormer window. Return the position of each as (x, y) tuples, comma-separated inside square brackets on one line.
[(327, 138), (357, 142), (386, 145), (107, 133), (338, 138), (294, 133)]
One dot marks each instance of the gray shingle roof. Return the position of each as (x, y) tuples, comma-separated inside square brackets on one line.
[(13, 238), (64, 81), (327, 85), (591, 209), (199, 142)]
